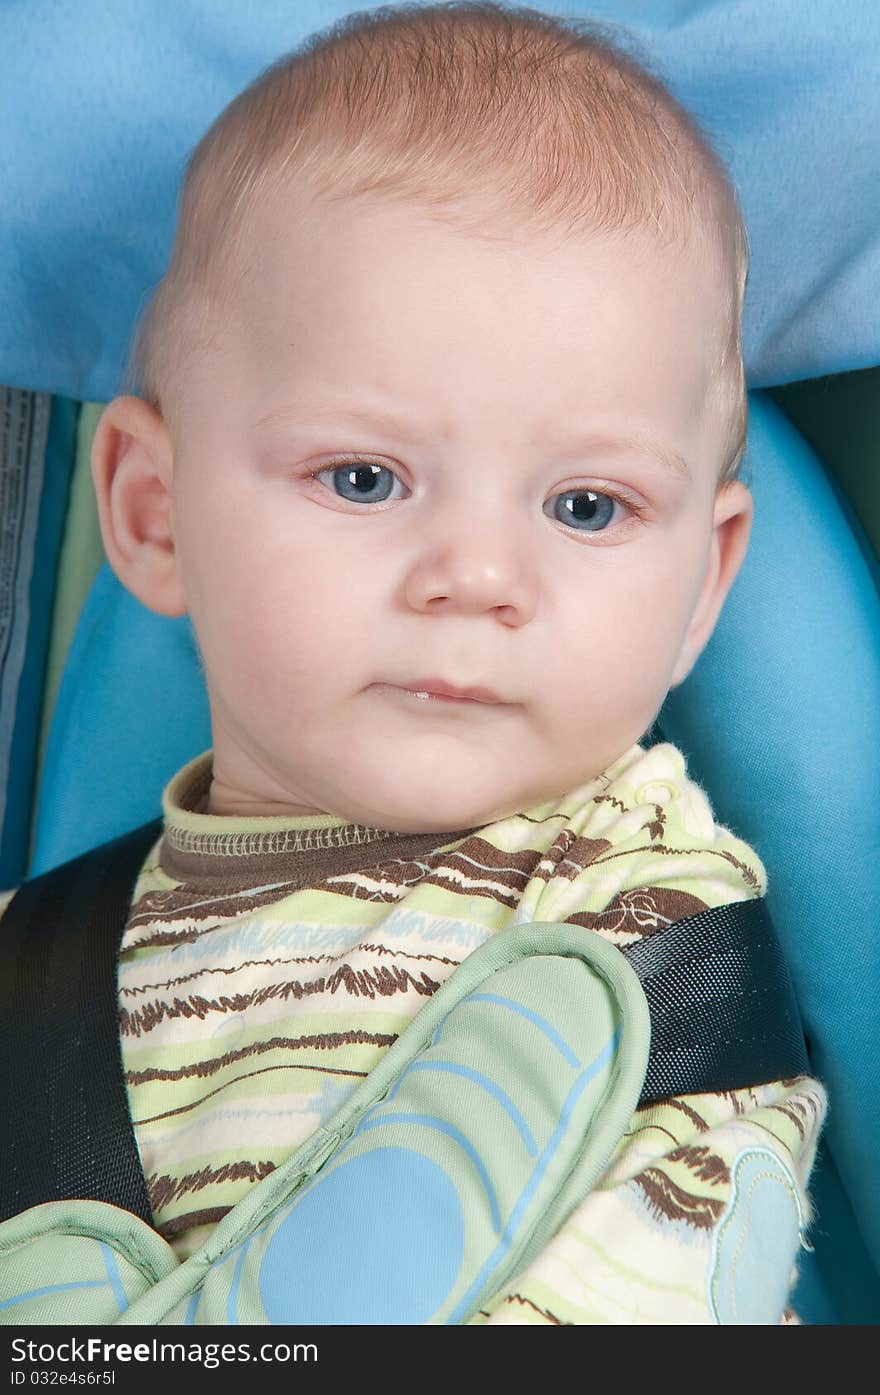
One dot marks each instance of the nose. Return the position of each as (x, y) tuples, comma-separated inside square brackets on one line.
[(474, 572)]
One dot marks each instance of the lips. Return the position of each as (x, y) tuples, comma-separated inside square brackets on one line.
[(428, 688)]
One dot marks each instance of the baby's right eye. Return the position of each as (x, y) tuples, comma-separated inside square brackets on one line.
[(362, 482)]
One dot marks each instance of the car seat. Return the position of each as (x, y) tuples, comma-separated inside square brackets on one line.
[(100, 700)]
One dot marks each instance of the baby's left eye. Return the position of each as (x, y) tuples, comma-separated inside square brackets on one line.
[(585, 510)]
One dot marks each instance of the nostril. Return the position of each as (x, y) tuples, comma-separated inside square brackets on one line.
[(508, 614)]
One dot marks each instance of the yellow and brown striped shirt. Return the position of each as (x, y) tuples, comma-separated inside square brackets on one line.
[(268, 963)]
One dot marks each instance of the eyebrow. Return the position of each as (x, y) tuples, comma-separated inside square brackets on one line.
[(642, 445), (591, 441)]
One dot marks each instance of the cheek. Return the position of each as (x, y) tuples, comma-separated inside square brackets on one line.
[(276, 617), (625, 628)]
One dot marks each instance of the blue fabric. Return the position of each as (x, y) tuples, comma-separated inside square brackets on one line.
[(101, 101), (764, 1222), (132, 708), (838, 1281), (779, 722), (321, 1263)]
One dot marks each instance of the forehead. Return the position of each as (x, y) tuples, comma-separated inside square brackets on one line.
[(383, 297)]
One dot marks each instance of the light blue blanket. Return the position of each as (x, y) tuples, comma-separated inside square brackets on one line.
[(101, 100)]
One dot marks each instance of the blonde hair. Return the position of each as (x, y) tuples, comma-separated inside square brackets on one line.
[(551, 119)]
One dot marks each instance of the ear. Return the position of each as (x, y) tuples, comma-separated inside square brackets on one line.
[(132, 463), (732, 526)]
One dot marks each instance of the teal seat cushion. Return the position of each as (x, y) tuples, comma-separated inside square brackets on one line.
[(779, 722), (132, 708)]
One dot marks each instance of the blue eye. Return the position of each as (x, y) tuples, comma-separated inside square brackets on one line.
[(360, 482), (582, 509)]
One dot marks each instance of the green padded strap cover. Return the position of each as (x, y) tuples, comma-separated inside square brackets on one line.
[(510, 1089)]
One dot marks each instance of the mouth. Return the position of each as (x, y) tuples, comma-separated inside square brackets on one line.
[(438, 690)]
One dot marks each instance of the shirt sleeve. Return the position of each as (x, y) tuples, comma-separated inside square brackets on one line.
[(699, 1218)]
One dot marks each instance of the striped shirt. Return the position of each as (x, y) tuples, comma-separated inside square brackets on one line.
[(268, 963)]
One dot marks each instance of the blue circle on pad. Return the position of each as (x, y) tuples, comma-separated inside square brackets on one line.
[(377, 1240)]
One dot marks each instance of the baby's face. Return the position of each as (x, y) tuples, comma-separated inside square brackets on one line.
[(443, 511)]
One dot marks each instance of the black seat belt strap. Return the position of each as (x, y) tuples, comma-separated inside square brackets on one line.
[(66, 1127), (723, 1009)]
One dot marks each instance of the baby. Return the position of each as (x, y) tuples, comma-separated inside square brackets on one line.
[(439, 421)]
